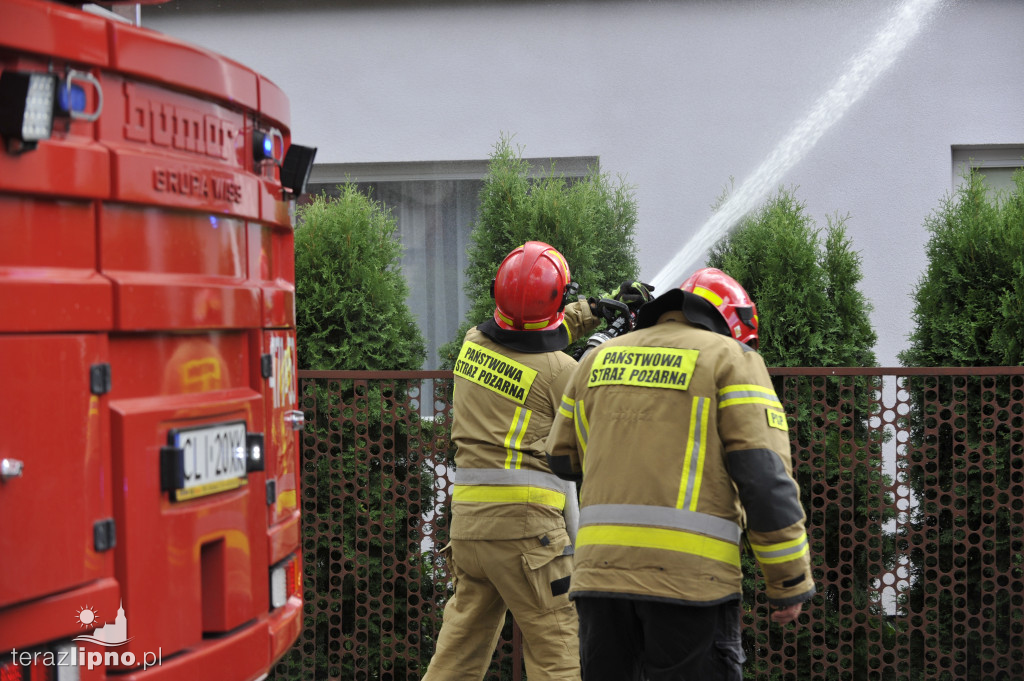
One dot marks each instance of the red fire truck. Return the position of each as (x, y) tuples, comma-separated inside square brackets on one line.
[(149, 467)]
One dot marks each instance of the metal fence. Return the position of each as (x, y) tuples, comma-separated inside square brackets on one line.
[(912, 479)]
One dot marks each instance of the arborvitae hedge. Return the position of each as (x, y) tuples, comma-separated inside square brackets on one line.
[(811, 314), (590, 220), (349, 291), (969, 304)]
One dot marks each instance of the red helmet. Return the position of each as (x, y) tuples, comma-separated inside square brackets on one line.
[(731, 300), (529, 289)]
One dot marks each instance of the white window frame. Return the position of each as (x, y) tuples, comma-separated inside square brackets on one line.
[(982, 156)]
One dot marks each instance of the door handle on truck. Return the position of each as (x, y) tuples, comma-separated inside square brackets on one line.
[(10, 468)]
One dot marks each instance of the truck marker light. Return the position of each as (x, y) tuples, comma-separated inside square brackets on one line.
[(26, 108), (267, 146)]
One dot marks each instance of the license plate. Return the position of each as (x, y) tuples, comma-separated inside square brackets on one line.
[(213, 459)]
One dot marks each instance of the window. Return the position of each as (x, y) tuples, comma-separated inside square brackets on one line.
[(435, 205), (996, 162)]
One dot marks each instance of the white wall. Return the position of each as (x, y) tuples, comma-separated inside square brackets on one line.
[(676, 96)]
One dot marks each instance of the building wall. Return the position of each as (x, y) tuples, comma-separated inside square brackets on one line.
[(677, 97)]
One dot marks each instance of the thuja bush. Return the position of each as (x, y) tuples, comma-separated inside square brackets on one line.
[(966, 431), (361, 448), (804, 282), (350, 309), (591, 220)]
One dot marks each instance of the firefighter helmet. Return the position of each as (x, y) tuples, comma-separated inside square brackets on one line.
[(731, 300), (530, 287)]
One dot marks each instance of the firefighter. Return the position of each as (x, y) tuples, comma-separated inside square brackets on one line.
[(510, 545), (682, 445)]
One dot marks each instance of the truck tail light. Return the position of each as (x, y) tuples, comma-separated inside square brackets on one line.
[(285, 581)]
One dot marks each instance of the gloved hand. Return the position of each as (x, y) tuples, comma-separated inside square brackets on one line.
[(634, 294)]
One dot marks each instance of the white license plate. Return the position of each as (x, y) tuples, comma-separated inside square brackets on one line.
[(213, 458)]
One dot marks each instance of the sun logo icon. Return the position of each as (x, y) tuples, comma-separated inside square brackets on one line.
[(87, 616)]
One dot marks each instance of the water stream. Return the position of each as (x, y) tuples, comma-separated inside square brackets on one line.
[(860, 73)]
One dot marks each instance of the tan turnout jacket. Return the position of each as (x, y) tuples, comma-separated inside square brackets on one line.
[(677, 431), (504, 404)]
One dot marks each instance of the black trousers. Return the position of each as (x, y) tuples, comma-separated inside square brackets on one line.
[(623, 639)]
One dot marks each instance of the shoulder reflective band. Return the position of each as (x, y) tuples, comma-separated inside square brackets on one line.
[(495, 372), (731, 395), (502, 486), (782, 552), (644, 367)]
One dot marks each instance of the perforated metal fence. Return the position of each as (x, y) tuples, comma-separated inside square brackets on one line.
[(913, 482)]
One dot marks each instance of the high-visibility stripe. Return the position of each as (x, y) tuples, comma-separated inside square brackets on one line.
[(514, 438), (661, 516), (582, 427), (659, 538), (508, 494), (732, 395), (782, 552), (708, 294), (565, 323), (566, 407), (693, 464), (520, 477)]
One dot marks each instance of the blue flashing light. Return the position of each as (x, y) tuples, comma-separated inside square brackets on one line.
[(268, 146), (71, 98), (213, 222)]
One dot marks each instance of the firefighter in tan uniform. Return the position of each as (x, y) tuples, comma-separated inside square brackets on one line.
[(510, 547), (681, 444)]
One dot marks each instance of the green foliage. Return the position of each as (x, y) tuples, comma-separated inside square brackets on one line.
[(351, 314), (970, 301), (350, 294), (590, 220), (968, 307), (809, 308), (811, 314)]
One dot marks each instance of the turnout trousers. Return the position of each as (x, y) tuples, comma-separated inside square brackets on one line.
[(625, 639), (530, 577)]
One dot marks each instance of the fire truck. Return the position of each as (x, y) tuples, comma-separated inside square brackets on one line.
[(149, 456)]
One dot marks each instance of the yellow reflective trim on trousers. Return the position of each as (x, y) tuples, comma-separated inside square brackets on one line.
[(514, 438), (508, 494), (693, 463), (658, 538)]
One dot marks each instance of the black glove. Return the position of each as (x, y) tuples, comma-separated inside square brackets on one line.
[(633, 294)]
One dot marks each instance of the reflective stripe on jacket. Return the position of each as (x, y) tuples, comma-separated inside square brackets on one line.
[(678, 435), (504, 404)]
